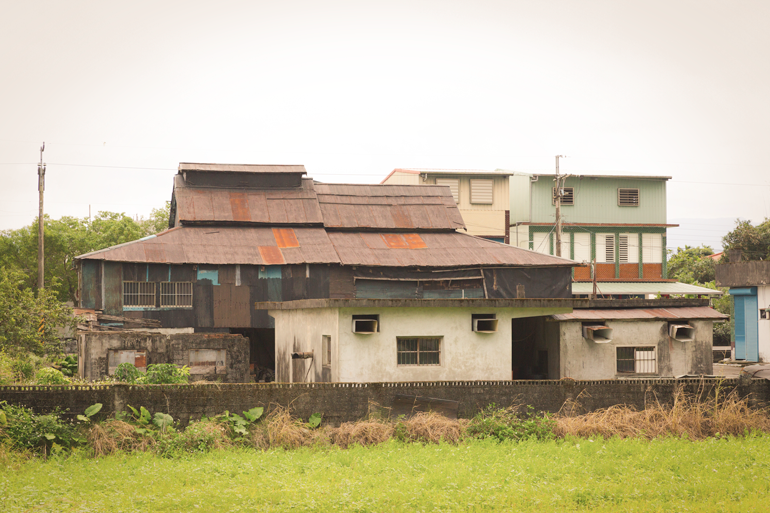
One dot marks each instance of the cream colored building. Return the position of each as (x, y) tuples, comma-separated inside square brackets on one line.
[(482, 196)]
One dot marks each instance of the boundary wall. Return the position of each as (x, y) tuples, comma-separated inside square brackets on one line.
[(342, 402)]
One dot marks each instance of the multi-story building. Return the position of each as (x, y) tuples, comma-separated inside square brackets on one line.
[(617, 222), (481, 196)]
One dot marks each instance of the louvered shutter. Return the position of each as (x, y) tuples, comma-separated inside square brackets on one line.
[(481, 191)]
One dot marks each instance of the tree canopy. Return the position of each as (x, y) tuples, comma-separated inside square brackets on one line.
[(68, 237), (752, 241), (689, 265)]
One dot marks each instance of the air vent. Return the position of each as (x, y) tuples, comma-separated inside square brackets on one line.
[(681, 332), (628, 197), (366, 324), (599, 333), (484, 323)]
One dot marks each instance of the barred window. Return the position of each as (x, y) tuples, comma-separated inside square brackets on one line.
[(419, 351), (637, 360), (138, 293), (176, 293)]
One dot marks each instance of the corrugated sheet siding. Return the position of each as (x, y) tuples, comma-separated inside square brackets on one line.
[(596, 201), (500, 192)]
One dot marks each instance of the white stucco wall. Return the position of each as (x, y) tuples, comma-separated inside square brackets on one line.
[(763, 301), (301, 331), (583, 359)]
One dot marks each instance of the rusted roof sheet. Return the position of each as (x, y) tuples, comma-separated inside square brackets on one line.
[(242, 168), (226, 245), (698, 312), (258, 206), (443, 249), (388, 207)]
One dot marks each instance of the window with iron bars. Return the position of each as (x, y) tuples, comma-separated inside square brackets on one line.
[(138, 293), (419, 351), (176, 293), (637, 360)]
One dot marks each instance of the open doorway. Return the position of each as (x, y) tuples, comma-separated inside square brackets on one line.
[(262, 352), (529, 356)]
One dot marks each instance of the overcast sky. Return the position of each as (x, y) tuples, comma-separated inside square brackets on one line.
[(123, 92)]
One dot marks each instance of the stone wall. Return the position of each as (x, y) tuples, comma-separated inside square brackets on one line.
[(341, 402), (94, 348)]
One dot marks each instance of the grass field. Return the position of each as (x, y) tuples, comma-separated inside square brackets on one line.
[(719, 475)]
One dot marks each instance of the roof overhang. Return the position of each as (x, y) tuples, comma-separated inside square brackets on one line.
[(634, 314), (636, 288), (304, 304)]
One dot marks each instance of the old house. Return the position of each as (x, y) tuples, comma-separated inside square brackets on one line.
[(264, 269)]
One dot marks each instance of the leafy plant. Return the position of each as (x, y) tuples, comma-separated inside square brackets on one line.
[(165, 373), (127, 373), (69, 366), (90, 412), (506, 424), (163, 421), (50, 376), (315, 420), (254, 414), (23, 429), (240, 424)]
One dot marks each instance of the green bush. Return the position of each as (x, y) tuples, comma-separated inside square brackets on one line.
[(23, 368), (127, 373), (506, 424), (22, 429), (165, 373), (69, 366), (50, 376)]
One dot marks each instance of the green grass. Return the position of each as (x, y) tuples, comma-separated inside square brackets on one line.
[(719, 475)]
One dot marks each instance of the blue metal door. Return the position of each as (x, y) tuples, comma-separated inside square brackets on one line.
[(746, 324)]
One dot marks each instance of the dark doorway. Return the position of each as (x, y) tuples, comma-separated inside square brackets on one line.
[(526, 361), (262, 352)]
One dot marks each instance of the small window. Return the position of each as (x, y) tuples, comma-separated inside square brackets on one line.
[(597, 332), (484, 323), (628, 197), (366, 324), (681, 331), (609, 249), (138, 293), (453, 184), (567, 195), (136, 357), (176, 293), (481, 191), (637, 360), (419, 351), (326, 350), (623, 249), (207, 361), (209, 274)]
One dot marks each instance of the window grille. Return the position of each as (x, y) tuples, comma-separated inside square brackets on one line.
[(176, 293), (138, 293), (419, 351), (567, 195), (628, 197), (623, 249), (609, 248), (637, 360)]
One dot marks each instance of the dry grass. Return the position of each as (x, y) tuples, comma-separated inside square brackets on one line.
[(692, 416), (284, 430), (116, 435), (432, 427), (363, 432)]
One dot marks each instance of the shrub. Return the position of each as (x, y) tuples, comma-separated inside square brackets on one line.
[(50, 376), (165, 373), (23, 368), (69, 366), (506, 424), (22, 429), (127, 373)]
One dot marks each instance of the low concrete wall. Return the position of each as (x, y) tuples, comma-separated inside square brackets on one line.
[(341, 402)]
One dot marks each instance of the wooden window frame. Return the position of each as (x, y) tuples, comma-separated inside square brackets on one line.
[(144, 290), (402, 355), (175, 294)]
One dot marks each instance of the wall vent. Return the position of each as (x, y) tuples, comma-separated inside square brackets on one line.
[(366, 324), (597, 332), (682, 332), (484, 323)]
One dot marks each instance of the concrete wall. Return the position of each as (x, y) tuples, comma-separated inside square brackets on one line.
[(763, 331), (302, 331), (342, 402), (584, 359), (94, 347)]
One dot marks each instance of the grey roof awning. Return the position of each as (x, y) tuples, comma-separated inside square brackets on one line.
[(629, 288)]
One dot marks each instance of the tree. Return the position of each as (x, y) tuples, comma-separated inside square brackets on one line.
[(29, 322), (752, 241), (689, 265), (67, 238)]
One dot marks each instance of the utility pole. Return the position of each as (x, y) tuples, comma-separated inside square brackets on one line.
[(557, 201), (40, 224)]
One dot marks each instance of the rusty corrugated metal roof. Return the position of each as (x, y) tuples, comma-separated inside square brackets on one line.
[(443, 249), (388, 207), (242, 168), (226, 245), (258, 206), (697, 312)]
